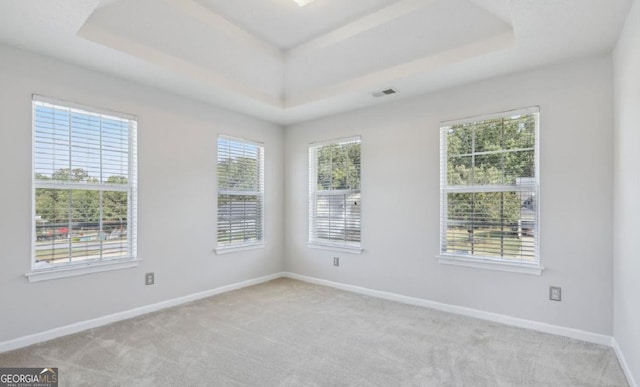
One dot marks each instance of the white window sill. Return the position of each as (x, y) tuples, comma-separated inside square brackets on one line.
[(72, 270), (342, 248), (490, 264), (243, 247)]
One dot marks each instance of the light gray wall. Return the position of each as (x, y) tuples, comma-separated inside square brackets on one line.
[(627, 192), (400, 197), (177, 198)]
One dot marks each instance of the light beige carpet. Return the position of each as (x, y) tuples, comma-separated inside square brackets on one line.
[(290, 333)]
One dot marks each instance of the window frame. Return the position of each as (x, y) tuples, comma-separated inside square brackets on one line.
[(489, 262), (244, 245), (313, 241), (45, 271)]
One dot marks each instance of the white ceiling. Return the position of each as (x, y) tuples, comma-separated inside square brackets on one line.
[(284, 24), (286, 64)]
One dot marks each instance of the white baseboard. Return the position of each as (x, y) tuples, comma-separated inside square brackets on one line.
[(495, 317), (623, 363), (127, 314)]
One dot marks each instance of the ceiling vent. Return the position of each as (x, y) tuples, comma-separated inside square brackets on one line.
[(382, 93)]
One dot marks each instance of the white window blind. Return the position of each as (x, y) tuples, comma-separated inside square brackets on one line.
[(240, 192), (84, 184), (489, 187), (334, 192)]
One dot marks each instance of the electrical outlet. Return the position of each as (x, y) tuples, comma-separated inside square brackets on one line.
[(336, 261), (149, 279), (555, 293)]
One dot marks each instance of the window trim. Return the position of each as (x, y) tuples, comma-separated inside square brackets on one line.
[(245, 245), (234, 249), (81, 268), (491, 263), (41, 272), (350, 249), (337, 246)]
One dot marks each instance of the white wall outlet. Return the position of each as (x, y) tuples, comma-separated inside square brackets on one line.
[(149, 279), (555, 293), (336, 261)]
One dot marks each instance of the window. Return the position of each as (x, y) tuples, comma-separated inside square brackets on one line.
[(240, 193), (334, 194), (489, 189), (84, 185)]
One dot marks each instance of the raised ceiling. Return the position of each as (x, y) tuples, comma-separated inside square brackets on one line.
[(284, 24), (275, 60)]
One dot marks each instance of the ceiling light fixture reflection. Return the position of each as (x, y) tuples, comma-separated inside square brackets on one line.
[(302, 3)]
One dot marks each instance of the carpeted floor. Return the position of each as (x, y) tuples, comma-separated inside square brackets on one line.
[(290, 333)]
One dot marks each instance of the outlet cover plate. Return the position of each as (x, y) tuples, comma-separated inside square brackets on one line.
[(555, 293), (336, 261), (149, 279)]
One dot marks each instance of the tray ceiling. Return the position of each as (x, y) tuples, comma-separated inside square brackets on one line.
[(285, 63)]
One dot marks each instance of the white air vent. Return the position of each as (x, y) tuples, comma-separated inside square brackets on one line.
[(384, 92)]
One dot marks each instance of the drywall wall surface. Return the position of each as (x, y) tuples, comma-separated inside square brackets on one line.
[(626, 276), (400, 197), (177, 141)]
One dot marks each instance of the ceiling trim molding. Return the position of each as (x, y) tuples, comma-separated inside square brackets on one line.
[(175, 64), (372, 80), (216, 21), (356, 27)]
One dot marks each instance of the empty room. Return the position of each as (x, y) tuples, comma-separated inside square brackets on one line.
[(320, 193)]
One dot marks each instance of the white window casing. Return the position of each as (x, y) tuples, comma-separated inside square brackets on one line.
[(335, 195), (490, 192), (84, 189)]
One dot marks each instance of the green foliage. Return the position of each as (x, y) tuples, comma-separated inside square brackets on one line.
[(114, 206), (338, 166), (85, 206), (56, 206), (488, 153), (485, 209), (238, 174), (117, 180), (52, 205), (485, 152), (67, 174)]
